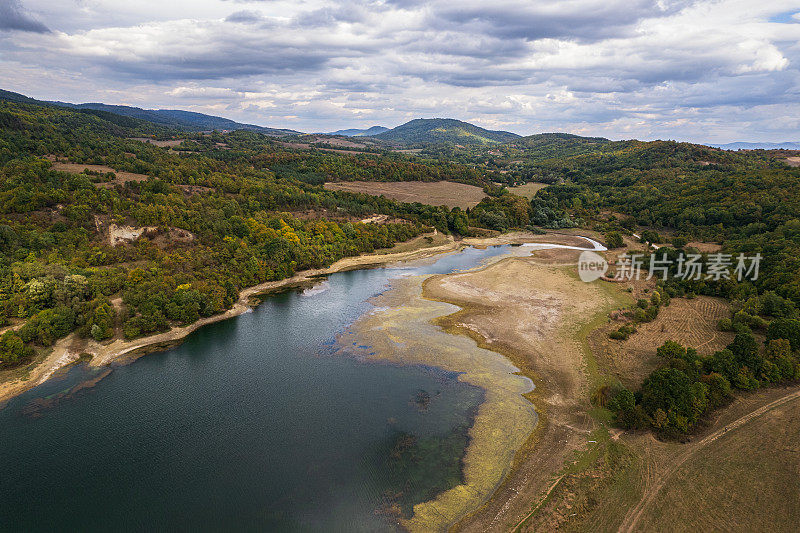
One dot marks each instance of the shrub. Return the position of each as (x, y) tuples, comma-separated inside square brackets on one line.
[(614, 240)]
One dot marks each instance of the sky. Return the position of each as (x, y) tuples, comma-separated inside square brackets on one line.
[(703, 71)]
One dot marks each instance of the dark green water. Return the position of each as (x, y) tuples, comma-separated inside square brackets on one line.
[(251, 424)]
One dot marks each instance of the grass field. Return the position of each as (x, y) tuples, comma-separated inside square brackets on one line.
[(689, 322), (528, 190), (77, 168), (741, 482), (431, 193)]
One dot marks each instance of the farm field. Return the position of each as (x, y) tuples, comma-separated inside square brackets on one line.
[(432, 193), (528, 190)]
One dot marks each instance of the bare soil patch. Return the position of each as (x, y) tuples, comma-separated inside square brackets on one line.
[(793, 161), (534, 314), (432, 193), (705, 247)]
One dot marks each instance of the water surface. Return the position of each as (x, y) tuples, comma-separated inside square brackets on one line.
[(254, 423)]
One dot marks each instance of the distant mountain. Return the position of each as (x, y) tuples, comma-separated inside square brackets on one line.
[(176, 118), (374, 130), (757, 146), (185, 120), (437, 130)]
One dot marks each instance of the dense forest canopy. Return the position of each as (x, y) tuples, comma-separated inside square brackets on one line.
[(213, 214)]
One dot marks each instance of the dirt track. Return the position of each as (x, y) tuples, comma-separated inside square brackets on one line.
[(659, 480)]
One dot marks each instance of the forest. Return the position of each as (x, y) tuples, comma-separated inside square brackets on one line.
[(219, 213)]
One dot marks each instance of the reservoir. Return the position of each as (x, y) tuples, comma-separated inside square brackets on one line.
[(262, 422)]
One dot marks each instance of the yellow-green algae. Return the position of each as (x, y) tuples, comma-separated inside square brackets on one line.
[(401, 330)]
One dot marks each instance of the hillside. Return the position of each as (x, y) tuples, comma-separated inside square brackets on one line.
[(174, 118), (444, 130), (549, 145), (354, 132)]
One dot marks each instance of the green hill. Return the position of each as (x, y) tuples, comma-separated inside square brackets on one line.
[(444, 130), (550, 145), (173, 118)]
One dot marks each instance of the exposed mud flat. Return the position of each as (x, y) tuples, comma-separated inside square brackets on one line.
[(401, 330)]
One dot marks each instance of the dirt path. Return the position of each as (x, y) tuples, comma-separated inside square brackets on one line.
[(655, 482)]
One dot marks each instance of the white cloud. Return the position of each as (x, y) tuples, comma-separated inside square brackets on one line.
[(610, 67)]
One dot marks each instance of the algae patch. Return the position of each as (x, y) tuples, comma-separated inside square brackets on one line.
[(401, 330)]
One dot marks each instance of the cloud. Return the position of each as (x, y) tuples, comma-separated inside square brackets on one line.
[(245, 16), (14, 17), (663, 68)]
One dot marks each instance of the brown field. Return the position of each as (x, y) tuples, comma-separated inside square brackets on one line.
[(705, 247), (688, 322), (745, 479), (793, 161), (77, 168), (162, 144), (738, 473), (528, 190), (431, 193)]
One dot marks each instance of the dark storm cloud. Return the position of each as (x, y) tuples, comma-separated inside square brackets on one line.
[(14, 17)]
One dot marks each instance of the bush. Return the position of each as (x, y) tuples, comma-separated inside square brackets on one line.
[(12, 348), (614, 240), (725, 324)]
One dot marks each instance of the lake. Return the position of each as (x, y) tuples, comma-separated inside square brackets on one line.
[(260, 422)]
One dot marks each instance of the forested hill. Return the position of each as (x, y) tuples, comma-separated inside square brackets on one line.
[(184, 120), (109, 236), (374, 130), (444, 130)]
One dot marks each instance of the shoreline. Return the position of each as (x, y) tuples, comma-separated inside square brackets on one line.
[(507, 424), (63, 354), (120, 351)]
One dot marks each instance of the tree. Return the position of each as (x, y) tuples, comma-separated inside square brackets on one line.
[(614, 240), (671, 350), (673, 392), (12, 348), (785, 328)]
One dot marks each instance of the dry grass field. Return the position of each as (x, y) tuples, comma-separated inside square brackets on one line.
[(432, 193), (528, 190), (77, 168), (689, 322), (747, 479), (162, 144)]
